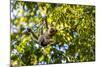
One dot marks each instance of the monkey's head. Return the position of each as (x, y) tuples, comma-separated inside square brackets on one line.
[(52, 31)]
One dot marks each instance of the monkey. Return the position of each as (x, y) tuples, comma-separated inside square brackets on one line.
[(45, 38)]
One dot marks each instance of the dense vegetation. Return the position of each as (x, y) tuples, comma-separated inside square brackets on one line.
[(74, 41)]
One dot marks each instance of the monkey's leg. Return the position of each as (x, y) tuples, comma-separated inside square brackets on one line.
[(47, 41)]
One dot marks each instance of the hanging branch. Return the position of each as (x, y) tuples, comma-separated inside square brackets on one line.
[(44, 24), (43, 11)]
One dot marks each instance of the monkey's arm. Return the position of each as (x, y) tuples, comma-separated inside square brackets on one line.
[(33, 35)]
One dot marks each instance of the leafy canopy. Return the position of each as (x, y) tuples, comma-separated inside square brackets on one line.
[(74, 41)]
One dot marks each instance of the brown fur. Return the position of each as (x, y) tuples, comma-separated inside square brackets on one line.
[(46, 38)]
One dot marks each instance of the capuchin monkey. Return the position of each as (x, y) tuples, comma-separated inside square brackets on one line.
[(45, 38)]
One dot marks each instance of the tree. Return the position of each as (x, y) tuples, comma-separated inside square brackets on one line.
[(74, 41)]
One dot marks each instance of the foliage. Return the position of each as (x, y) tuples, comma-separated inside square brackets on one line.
[(74, 41)]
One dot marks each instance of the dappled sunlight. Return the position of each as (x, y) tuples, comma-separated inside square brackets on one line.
[(73, 41)]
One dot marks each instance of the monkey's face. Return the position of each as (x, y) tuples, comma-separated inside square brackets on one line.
[(52, 31)]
